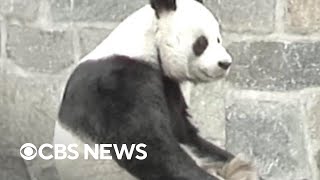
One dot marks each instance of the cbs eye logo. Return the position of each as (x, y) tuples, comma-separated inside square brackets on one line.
[(28, 151)]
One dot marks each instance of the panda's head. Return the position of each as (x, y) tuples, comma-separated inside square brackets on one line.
[(189, 41)]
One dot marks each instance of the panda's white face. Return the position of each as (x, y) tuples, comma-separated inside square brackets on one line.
[(189, 42)]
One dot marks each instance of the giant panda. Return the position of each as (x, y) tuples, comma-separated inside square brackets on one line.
[(127, 90)]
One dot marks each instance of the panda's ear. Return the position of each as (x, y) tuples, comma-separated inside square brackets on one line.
[(163, 5), (200, 1)]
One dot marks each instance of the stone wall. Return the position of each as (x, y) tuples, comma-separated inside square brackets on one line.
[(268, 108)]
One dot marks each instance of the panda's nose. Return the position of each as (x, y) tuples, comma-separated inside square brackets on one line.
[(224, 64)]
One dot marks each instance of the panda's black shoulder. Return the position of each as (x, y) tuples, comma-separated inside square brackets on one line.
[(110, 87), (114, 72)]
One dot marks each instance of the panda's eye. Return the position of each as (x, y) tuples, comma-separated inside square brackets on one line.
[(200, 45), (218, 40)]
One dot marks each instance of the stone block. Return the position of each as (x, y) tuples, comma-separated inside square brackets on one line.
[(1, 41), (269, 128), (91, 169), (318, 161), (311, 104), (13, 168), (90, 38), (303, 16), (40, 51), (28, 108), (303, 58), (311, 107), (244, 15), (207, 110), (40, 169), (259, 65), (21, 9), (49, 173), (94, 10), (275, 66)]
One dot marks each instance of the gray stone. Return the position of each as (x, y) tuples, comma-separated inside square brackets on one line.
[(207, 110), (259, 65), (94, 10), (60, 10), (268, 127), (246, 53), (42, 169), (40, 51), (275, 65), (49, 173), (28, 108), (90, 38), (304, 63), (311, 104), (244, 15), (302, 16), (91, 169), (311, 107), (21, 9), (318, 161), (13, 168), (5, 6), (0, 41)]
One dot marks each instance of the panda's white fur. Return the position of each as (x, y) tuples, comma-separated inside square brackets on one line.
[(145, 36), (134, 37), (175, 33)]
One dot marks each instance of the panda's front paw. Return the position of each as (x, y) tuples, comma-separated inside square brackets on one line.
[(239, 169)]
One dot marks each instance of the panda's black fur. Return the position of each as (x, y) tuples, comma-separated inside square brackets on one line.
[(120, 100)]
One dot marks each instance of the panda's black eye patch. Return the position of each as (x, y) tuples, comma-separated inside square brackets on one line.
[(200, 45)]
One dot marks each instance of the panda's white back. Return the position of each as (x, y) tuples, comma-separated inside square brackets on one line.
[(134, 37)]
